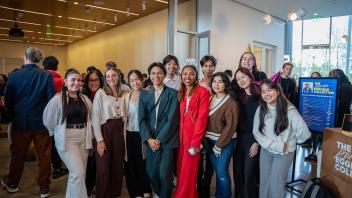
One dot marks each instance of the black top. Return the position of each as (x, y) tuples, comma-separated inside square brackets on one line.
[(288, 86), (259, 76), (247, 112), (345, 97), (76, 111)]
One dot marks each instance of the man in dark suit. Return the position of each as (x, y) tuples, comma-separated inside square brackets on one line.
[(27, 92), (158, 115)]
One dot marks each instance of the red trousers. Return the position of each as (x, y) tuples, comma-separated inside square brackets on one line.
[(19, 147), (187, 171)]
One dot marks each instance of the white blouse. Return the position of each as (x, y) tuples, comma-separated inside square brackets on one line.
[(132, 124), (105, 107)]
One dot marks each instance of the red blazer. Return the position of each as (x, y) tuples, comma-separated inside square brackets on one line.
[(194, 122)]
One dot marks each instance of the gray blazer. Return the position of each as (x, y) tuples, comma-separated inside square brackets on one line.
[(168, 117)]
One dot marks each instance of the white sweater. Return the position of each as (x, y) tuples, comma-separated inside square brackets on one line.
[(52, 117), (297, 131), (105, 107)]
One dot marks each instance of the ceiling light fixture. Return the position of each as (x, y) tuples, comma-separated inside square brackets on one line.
[(9, 28), (32, 12), (48, 39), (144, 6), (113, 10), (11, 40), (73, 18), (267, 19), (99, 2), (20, 22), (59, 16), (76, 3), (299, 14), (86, 28), (47, 43), (115, 18), (162, 1), (49, 33)]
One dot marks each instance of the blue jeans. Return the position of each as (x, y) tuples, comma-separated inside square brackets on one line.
[(221, 167)]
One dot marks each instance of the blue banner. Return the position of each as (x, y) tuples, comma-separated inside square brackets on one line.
[(317, 102)]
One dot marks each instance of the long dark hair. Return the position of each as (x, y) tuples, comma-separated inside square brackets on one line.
[(182, 91), (226, 81), (241, 93), (281, 121), (64, 95), (86, 90), (340, 75)]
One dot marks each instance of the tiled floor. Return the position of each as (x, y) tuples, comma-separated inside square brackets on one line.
[(29, 188)]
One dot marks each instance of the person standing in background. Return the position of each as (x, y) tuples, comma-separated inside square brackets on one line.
[(27, 92), (171, 65), (205, 171), (208, 64), (50, 64), (249, 61), (194, 108), (288, 85)]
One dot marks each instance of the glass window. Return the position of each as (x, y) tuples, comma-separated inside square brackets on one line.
[(316, 31), (338, 54)]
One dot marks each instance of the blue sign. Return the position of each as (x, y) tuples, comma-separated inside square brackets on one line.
[(317, 102)]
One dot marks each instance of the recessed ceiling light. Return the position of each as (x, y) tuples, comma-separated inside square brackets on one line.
[(48, 25), (315, 14), (75, 29), (11, 40), (162, 1), (39, 32), (99, 2), (28, 11), (76, 3), (59, 16), (49, 33), (20, 22), (73, 18)]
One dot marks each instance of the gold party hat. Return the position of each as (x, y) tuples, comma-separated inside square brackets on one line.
[(249, 49)]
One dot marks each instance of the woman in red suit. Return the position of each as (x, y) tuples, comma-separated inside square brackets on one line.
[(194, 108)]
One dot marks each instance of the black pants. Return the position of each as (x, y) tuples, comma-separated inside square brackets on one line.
[(90, 172), (137, 181), (205, 172), (55, 158), (246, 173), (160, 168)]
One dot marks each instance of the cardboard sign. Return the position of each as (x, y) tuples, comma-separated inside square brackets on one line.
[(336, 169)]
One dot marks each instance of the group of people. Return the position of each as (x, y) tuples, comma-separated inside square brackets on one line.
[(180, 126)]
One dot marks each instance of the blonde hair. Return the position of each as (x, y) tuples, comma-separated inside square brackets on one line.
[(33, 54), (108, 89)]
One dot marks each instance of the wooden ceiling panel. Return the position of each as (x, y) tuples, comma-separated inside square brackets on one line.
[(67, 21)]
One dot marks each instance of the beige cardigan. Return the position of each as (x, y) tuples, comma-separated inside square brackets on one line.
[(52, 117)]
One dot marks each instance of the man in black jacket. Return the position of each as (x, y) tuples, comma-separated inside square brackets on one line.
[(288, 85), (27, 92)]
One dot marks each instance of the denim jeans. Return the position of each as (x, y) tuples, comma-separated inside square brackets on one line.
[(221, 167)]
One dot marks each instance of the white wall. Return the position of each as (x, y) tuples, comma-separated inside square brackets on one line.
[(233, 26), (12, 52), (132, 45)]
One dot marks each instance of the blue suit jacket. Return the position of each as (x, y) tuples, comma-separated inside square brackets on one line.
[(28, 90), (168, 117)]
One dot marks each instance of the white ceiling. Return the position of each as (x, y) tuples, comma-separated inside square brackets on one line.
[(280, 8)]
